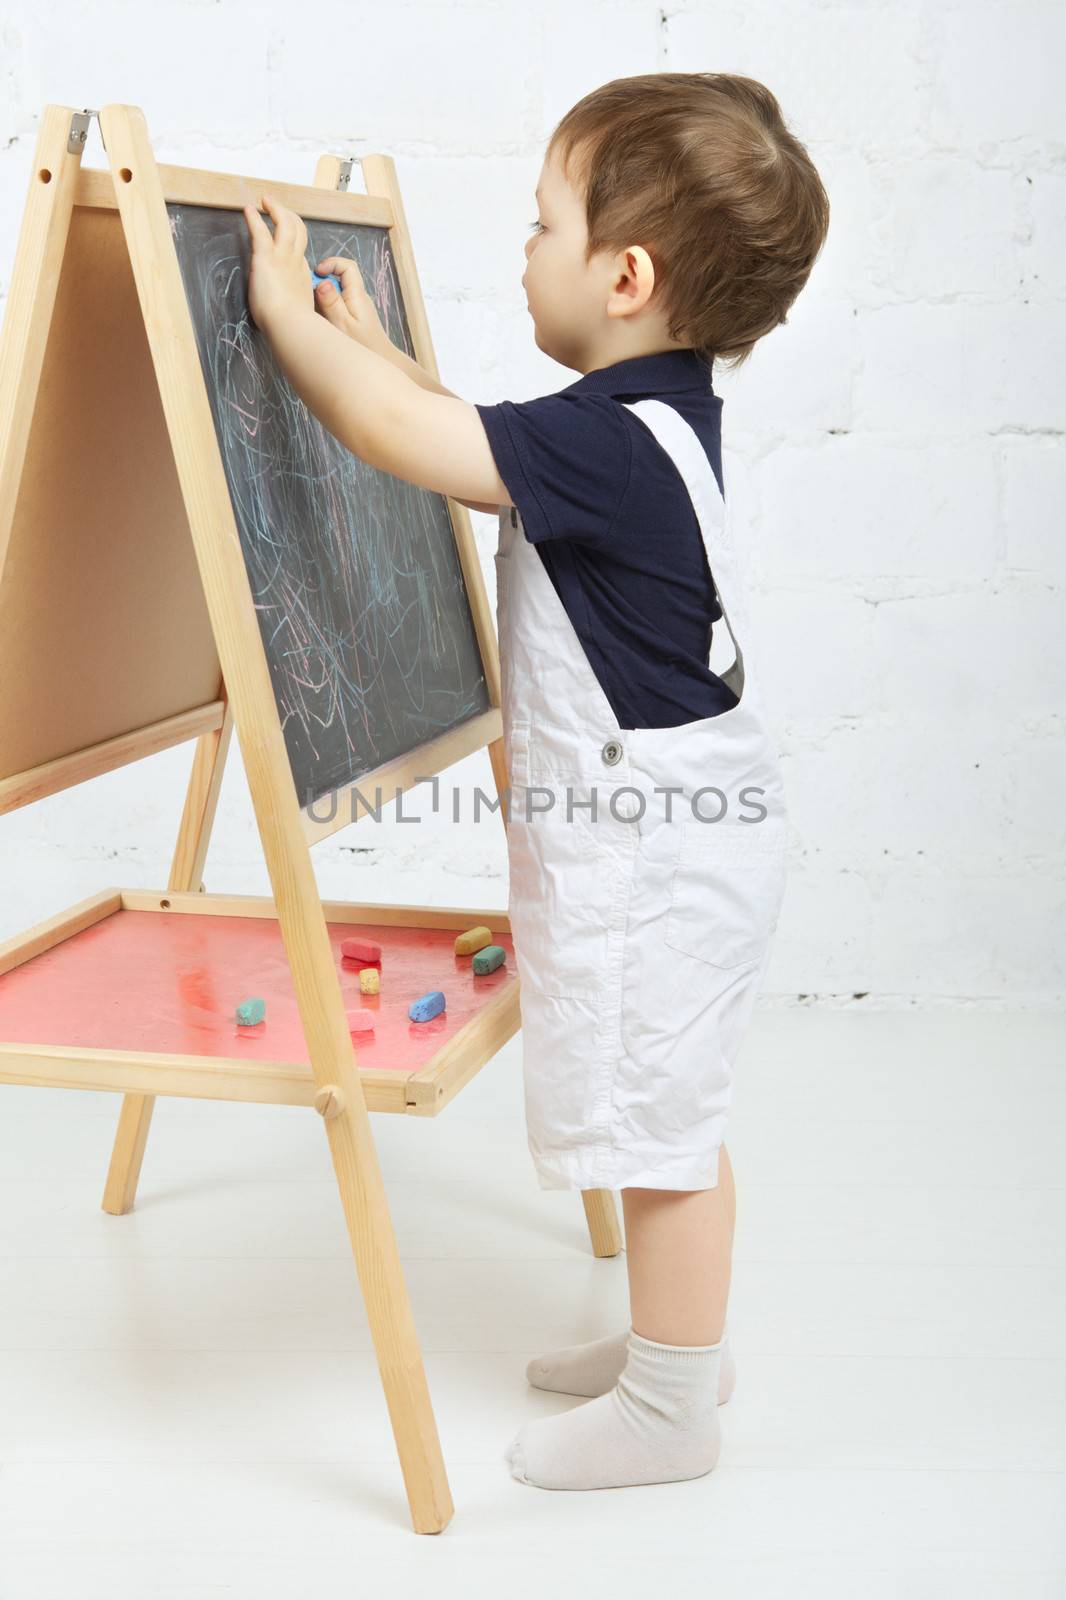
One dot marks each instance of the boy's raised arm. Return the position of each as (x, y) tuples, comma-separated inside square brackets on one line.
[(424, 435), (435, 440)]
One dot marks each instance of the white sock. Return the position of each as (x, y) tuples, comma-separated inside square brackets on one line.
[(594, 1368), (657, 1425)]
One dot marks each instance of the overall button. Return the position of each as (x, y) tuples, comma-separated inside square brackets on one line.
[(612, 752)]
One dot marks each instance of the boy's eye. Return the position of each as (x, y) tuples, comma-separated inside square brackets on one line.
[(536, 223)]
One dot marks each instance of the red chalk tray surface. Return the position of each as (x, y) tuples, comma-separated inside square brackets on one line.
[(170, 983)]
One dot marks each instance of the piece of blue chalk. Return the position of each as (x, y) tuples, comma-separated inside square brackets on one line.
[(330, 277), (249, 1012), (426, 1006)]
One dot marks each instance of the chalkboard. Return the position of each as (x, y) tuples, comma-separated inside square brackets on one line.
[(355, 574)]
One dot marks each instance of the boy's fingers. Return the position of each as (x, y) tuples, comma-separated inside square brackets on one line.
[(331, 306), (290, 229), (283, 220), (347, 271), (256, 226)]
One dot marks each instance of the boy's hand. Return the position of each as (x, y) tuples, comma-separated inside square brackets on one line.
[(352, 310), (279, 283)]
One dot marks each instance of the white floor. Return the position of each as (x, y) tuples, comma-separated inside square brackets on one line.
[(189, 1403)]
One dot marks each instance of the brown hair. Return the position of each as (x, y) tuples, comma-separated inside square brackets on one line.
[(700, 169)]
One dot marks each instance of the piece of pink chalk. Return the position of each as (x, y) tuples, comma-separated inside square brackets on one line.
[(360, 1020), (360, 950)]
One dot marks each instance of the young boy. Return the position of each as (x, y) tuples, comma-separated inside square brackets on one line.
[(678, 221)]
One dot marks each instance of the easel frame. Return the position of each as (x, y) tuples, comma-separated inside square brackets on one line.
[(138, 189)]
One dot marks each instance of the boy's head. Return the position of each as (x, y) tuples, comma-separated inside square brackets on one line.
[(675, 209)]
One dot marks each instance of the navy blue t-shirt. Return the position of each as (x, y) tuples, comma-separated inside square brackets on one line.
[(616, 530)]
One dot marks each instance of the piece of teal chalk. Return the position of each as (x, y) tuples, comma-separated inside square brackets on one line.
[(331, 277), (490, 958), (426, 1006), (251, 1011)]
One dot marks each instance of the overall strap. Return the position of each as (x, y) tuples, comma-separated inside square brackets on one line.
[(682, 444)]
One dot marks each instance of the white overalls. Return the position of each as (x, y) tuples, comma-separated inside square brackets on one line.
[(641, 932)]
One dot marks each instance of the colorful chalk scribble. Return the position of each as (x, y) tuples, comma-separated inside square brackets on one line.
[(355, 575)]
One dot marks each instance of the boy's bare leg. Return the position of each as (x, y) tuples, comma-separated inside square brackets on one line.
[(659, 1421), (593, 1368), (679, 1252), (729, 1191)]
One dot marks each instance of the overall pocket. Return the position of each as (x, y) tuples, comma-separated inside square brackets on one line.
[(516, 749), (727, 889), (570, 868), (564, 892)]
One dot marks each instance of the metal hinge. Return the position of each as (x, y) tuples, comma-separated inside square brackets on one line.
[(344, 177), (79, 131)]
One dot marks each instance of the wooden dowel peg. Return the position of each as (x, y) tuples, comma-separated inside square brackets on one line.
[(329, 1102)]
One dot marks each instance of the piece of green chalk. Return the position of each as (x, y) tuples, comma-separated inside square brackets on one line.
[(251, 1011), (489, 959), (428, 1005)]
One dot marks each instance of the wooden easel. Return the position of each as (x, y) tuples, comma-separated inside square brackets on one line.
[(195, 668)]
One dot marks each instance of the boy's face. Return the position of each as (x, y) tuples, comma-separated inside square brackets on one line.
[(567, 296)]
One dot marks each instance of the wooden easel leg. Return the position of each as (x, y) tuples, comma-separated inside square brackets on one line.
[(355, 1161), (388, 1309), (127, 1152), (186, 872), (602, 1217)]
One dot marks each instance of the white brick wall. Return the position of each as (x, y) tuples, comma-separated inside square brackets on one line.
[(893, 455)]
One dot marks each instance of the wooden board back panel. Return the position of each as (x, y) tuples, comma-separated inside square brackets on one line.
[(103, 625), (355, 574)]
